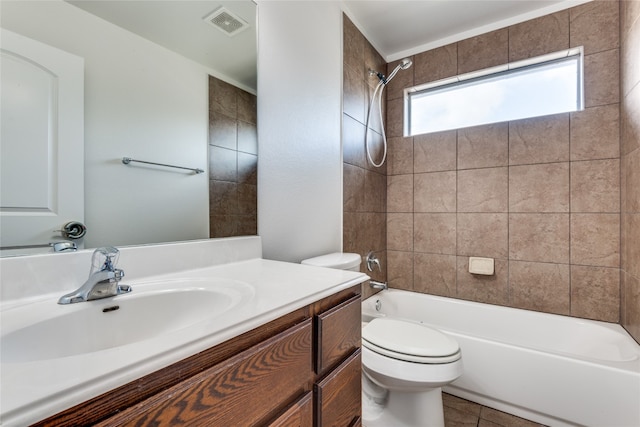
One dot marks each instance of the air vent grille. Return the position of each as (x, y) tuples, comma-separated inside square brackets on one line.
[(227, 22)]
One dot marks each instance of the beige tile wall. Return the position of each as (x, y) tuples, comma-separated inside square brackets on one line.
[(541, 195), (365, 187), (233, 161), (630, 164)]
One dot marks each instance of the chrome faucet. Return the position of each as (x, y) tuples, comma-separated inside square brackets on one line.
[(378, 285), (372, 260), (103, 281)]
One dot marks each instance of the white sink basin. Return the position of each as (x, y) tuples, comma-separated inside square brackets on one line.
[(46, 330)]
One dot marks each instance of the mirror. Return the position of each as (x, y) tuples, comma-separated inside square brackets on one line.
[(160, 83)]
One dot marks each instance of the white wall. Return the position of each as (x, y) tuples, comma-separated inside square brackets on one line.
[(145, 102), (299, 128), (141, 101)]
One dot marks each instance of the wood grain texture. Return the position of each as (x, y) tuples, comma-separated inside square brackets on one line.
[(335, 299), (300, 414), (338, 395), (338, 333), (268, 375), (116, 400)]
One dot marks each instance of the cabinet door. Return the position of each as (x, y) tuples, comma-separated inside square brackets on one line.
[(338, 333), (247, 389), (300, 414), (338, 396)]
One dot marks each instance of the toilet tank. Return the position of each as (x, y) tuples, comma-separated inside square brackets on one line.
[(338, 260)]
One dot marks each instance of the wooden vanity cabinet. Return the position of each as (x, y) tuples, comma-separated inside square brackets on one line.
[(338, 364), (297, 415), (300, 370), (338, 395), (338, 332), (245, 389)]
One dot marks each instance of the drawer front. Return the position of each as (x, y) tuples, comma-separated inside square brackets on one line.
[(246, 389), (338, 333), (339, 395), (300, 414)]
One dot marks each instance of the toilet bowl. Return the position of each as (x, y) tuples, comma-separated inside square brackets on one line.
[(404, 365)]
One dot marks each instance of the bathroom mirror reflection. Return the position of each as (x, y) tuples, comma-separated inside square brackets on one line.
[(162, 84)]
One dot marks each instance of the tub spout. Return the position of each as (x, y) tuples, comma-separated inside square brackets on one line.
[(378, 285)]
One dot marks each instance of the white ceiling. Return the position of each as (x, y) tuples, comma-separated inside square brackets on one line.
[(179, 26), (396, 28), (402, 28)]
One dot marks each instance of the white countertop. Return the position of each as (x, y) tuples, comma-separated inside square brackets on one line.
[(34, 390)]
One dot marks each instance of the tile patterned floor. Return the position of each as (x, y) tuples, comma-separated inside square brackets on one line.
[(463, 413)]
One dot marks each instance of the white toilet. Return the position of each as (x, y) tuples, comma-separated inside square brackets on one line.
[(404, 365)]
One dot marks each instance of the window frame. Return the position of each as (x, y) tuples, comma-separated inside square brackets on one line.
[(493, 73)]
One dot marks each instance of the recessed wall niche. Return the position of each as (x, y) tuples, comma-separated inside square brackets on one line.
[(233, 161)]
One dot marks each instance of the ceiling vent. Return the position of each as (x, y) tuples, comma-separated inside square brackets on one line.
[(227, 22)]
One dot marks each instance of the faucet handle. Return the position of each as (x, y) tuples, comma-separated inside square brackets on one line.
[(104, 258), (372, 260)]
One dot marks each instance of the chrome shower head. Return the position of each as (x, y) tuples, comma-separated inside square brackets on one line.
[(405, 63)]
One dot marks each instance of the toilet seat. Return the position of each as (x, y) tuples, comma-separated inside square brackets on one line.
[(409, 341)]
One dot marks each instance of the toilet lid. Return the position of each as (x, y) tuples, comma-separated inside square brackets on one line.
[(410, 338), (339, 260)]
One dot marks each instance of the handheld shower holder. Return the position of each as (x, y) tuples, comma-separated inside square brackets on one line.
[(379, 75)]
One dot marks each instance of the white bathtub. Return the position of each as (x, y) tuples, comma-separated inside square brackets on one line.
[(555, 370)]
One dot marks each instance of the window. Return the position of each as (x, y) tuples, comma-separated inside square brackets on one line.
[(534, 87)]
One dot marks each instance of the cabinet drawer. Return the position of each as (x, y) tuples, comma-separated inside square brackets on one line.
[(338, 396), (338, 333), (246, 389), (300, 414)]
